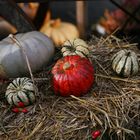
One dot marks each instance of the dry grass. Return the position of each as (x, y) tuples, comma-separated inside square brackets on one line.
[(112, 105)]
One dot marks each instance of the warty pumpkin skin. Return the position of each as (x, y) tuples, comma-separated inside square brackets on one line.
[(72, 75), (125, 63), (20, 90), (39, 50), (59, 31), (75, 46)]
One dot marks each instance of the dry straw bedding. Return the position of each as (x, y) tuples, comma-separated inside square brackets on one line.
[(112, 105)]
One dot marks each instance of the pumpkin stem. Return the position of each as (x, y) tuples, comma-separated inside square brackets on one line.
[(56, 23), (11, 36), (48, 17), (128, 53), (67, 66)]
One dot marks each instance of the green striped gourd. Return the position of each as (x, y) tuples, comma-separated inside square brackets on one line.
[(125, 63), (20, 90), (75, 46)]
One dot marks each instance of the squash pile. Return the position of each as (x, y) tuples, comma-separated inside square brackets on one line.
[(20, 55), (73, 74)]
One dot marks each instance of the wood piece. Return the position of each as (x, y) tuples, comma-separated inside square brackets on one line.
[(129, 18), (14, 15), (124, 10), (27, 1), (41, 13), (81, 17)]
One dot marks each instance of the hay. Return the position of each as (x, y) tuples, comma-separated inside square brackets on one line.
[(112, 105)]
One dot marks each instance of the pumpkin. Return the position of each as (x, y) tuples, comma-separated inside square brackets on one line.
[(38, 47), (72, 75), (20, 90), (125, 63), (75, 46), (59, 31)]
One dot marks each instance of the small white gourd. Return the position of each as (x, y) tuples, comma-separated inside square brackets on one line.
[(20, 90), (125, 63), (75, 46)]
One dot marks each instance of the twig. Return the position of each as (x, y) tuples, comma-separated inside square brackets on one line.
[(109, 36), (26, 58), (133, 89), (36, 79), (97, 119), (118, 79)]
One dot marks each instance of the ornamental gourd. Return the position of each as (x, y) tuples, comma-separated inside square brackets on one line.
[(38, 47), (75, 46), (72, 75), (125, 63), (20, 90), (59, 31)]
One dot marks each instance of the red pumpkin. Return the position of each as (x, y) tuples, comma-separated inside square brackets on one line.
[(72, 75)]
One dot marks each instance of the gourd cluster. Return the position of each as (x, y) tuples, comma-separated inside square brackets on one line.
[(20, 54), (73, 74)]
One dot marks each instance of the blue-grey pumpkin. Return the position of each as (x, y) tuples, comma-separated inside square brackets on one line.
[(39, 50)]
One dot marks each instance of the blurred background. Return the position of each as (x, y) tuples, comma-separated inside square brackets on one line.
[(67, 10), (99, 17)]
